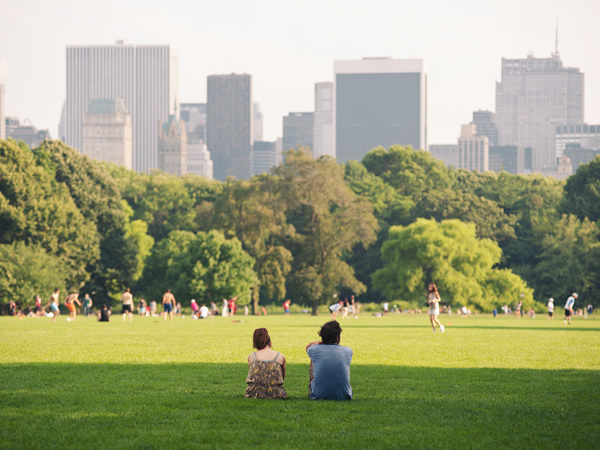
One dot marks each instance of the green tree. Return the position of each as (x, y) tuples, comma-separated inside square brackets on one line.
[(582, 192), (256, 215), (570, 261), (205, 266), (37, 209), (97, 197), (28, 271), (329, 220), (448, 254), (136, 231)]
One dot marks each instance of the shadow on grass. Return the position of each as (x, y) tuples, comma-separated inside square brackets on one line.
[(198, 405)]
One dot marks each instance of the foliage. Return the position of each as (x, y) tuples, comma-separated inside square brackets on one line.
[(582, 192), (204, 266), (38, 210), (329, 220), (28, 271), (98, 199), (256, 216), (450, 255)]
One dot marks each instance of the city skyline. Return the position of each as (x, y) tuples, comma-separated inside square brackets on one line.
[(461, 46)]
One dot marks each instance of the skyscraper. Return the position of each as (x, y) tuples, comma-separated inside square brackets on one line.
[(379, 102), (2, 118), (485, 121), (534, 97), (473, 150), (106, 132), (263, 157), (146, 78), (298, 130), (199, 161), (229, 125), (323, 133)]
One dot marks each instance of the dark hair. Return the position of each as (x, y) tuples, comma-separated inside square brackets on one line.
[(261, 338), (330, 332), (434, 288)]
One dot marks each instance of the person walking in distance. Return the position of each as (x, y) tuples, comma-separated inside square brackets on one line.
[(433, 300), (550, 309), (127, 300), (168, 304), (53, 304), (569, 308)]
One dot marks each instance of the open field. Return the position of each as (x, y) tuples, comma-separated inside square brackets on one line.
[(484, 383)]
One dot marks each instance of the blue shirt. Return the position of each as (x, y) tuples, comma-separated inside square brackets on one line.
[(331, 372)]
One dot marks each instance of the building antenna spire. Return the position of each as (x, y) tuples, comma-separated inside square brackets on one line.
[(556, 41)]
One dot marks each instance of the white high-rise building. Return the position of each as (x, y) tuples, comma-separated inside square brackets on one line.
[(535, 96), (379, 102), (323, 132), (257, 123), (2, 118), (473, 150), (146, 77)]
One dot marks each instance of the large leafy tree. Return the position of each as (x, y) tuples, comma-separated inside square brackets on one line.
[(449, 254), (329, 220), (97, 197), (204, 266), (27, 271), (253, 212), (570, 261), (582, 192), (38, 210)]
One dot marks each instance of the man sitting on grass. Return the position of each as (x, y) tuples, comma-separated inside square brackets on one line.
[(329, 365)]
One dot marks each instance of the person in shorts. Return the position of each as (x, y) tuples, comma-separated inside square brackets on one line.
[(569, 308), (53, 304), (433, 300), (70, 304), (550, 309), (127, 300), (335, 308), (168, 304)]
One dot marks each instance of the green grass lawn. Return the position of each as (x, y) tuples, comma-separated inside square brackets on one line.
[(484, 383)]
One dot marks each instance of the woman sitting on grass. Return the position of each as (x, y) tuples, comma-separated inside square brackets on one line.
[(266, 369)]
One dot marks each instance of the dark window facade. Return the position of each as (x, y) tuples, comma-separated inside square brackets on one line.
[(374, 110)]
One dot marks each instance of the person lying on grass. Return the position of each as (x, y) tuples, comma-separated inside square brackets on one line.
[(266, 369), (329, 365)]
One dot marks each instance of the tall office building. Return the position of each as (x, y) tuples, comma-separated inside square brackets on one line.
[(229, 125), (323, 133), (263, 157), (473, 150), (534, 97), (257, 123), (379, 102), (146, 78), (2, 118), (107, 133), (485, 121), (199, 161), (507, 158), (587, 136), (172, 146), (298, 130)]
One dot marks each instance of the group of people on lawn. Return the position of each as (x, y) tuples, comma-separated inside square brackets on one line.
[(329, 367)]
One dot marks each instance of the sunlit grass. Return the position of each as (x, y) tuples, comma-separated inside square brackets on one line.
[(485, 382)]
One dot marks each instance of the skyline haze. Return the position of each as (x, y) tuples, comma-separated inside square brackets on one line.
[(287, 47)]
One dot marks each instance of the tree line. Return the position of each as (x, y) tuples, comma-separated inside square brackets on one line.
[(311, 230)]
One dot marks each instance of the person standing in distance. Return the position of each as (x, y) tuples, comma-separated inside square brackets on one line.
[(433, 300), (127, 300), (168, 304), (329, 365), (569, 308), (550, 309)]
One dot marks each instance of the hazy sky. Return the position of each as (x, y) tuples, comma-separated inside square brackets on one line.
[(287, 46)]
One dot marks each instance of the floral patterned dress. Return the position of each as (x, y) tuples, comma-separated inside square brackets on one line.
[(265, 379)]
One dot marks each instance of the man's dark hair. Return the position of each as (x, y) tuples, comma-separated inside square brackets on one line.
[(330, 332)]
